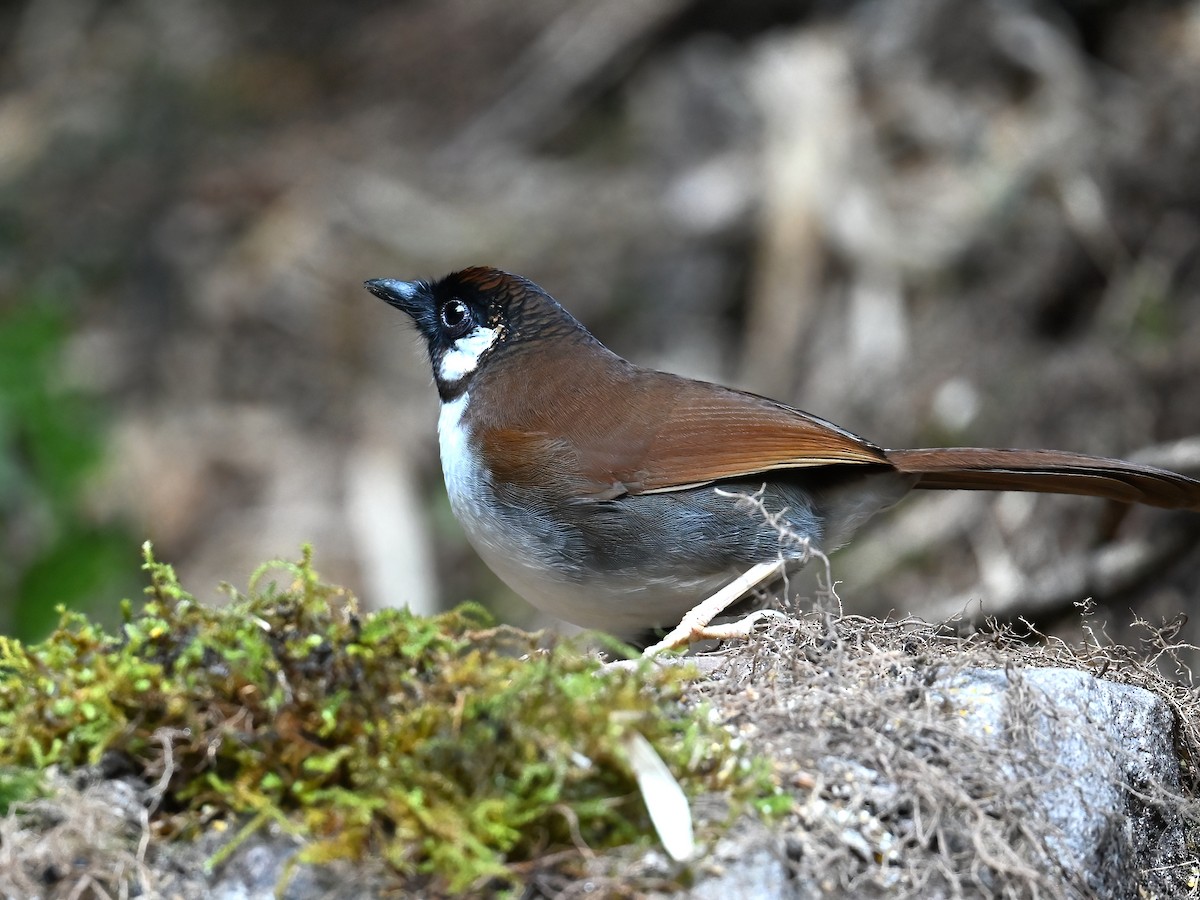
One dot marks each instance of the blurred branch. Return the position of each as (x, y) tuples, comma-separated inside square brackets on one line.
[(571, 55), (1106, 572)]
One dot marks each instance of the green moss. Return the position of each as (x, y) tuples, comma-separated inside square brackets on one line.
[(18, 785), (447, 746)]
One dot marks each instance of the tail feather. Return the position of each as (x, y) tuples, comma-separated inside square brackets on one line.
[(1046, 471)]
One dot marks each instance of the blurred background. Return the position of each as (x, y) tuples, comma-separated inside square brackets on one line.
[(932, 222)]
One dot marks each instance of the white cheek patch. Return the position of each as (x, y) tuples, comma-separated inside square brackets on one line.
[(462, 358)]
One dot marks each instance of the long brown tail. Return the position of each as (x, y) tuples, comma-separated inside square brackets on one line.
[(1047, 472)]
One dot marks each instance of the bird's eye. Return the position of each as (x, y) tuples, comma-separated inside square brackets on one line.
[(456, 318)]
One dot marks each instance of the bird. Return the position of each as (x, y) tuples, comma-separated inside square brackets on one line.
[(600, 490)]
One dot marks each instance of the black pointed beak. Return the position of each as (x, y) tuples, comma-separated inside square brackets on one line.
[(401, 294)]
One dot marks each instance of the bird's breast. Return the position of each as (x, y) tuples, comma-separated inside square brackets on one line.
[(515, 535)]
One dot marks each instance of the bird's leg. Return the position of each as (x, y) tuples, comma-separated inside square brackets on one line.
[(694, 626)]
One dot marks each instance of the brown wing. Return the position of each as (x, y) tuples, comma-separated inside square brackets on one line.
[(657, 432), (711, 433)]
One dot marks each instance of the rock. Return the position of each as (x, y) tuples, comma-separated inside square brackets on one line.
[(987, 782), (1100, 753)]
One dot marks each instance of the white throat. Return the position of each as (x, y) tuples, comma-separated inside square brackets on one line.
[(463, 356), (458, 465)]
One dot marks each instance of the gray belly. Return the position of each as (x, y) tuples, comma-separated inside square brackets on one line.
[(636, 563)]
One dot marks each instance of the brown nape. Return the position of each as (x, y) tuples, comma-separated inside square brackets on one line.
[(1047, 472)]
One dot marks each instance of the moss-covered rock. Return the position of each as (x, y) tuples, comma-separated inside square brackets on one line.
[(449, 747)]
